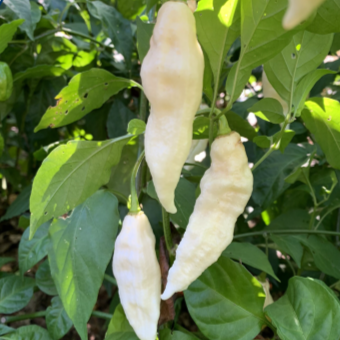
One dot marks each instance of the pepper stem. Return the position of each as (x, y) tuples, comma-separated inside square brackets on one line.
[(223, 128), (134, 196)]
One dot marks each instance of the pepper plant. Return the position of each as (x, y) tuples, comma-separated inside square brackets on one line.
[(72, 129)]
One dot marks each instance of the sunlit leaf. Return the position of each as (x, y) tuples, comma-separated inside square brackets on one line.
[(85, 92), (323, 121), (7, 32), (69, 175)]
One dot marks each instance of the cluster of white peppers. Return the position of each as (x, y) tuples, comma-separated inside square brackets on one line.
[(172, 77)]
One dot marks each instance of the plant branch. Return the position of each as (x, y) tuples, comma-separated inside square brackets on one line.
[(275, 146), (42, 314), (287, 231), (327, 213), (110, 279), (134, 196), (167, 233)]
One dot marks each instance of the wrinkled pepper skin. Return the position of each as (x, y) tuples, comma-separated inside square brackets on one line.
[(6, 82), (172, 77), (138, 275), (298, 11), (225, 190)]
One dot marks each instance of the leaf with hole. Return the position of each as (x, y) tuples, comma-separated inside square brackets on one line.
[(305, 52), (85, 92)]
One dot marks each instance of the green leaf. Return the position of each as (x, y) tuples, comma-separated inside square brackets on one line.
[(304, 87), (114, 26), (201, 128), (218, 26), (268, 109), (207, 78), (167, 334), (32, 332), (81, 165), (326, 255), (130, 8), (22, 8), (7, 32), (15, 293), (119, 327), (20, 205), (226, 286), (44, 279), (5, 329), (327, 18), (269, 176), (240, 125), (144, 33), (78, 266), (285, 139), (5, 260), (119, 183), (289, 244), (250, 255), (305, 53), (150, 4), (263, 142), (262, 37), (2, 145), (118, 119), (322, 119), (32, 251), (57, 321), (85, 92), (38, 72), (136, 127), (184, 201), (308, 310)]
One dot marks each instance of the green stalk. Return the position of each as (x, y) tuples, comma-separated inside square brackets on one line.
[(110, 279), (134, 196), (275, 146), (223, 126), (167, 233), (287, 231), (101, 315), (42, 314)]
